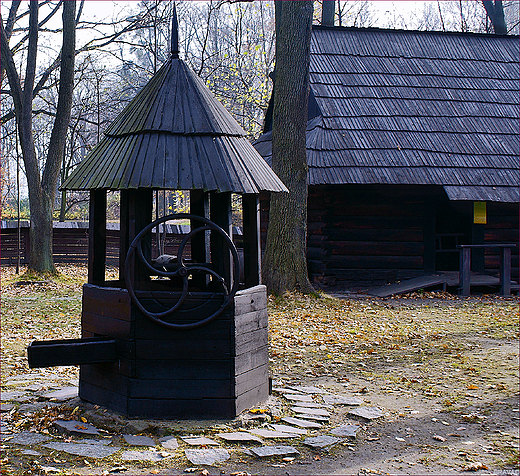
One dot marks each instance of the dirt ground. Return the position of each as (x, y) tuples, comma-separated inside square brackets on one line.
[(443, 370)]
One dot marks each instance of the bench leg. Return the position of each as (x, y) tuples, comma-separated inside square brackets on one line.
[(505, 272), (465, 271)]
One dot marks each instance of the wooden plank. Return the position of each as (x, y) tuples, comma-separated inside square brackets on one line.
[(409, 285), (97, 236), (250, 342), (251, 378), (251, 299), (105, 376), (251, 360), (252, 397), (251, 243), (101, 396), (52, 353), (109, 308), (251, 321), (182, 349), (180, 389), (188, 408), (108, 326), (176, 369)]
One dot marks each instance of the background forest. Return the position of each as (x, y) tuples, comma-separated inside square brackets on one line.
[(229, 44)]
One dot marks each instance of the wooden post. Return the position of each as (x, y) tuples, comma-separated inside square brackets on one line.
[(135, 214), (505, 271), (465, 271), (97, 237), (251, 239), (199, 205), (220, 212)]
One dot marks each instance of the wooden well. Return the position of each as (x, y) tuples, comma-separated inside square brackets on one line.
[(174, 135)]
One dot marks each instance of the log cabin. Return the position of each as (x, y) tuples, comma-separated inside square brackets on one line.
[(413, 150)]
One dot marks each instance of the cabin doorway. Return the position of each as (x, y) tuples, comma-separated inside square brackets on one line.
[(453, 227)]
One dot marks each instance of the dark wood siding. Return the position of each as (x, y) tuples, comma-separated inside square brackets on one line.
[(366, 235)]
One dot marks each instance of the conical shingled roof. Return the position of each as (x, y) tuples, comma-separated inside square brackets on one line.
[(175, 135)]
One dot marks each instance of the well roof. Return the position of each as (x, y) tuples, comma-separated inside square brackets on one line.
[(405, 107), (174, 135)]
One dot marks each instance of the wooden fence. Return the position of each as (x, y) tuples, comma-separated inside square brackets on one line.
[(70, 242)]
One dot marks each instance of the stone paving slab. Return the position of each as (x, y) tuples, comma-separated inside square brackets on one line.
[(207, 457), (169, 442), (308, 416), (273, 433), (345, 430), (298, 398), (14, 395), (6, 407), (239, 436), (301, 423), (309, 389), (35, 406), (264, 451), (313, 405), (198, 440), (62, 394), (31, 453), (132, 455), (83, 449), (370, 413), (341, 400), (289, 429), (28, 438), (311, 411), (321, 441), (76, 427), (139, 440)]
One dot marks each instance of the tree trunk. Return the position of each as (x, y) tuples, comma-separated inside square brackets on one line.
[(495, 13), (327, 12), (285, 264), (42, 191)]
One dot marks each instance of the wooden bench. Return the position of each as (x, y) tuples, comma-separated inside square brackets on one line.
[(505, 266)]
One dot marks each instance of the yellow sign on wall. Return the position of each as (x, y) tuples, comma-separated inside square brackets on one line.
[(479, 213)]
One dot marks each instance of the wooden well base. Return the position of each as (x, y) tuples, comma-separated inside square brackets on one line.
[(217, 370)]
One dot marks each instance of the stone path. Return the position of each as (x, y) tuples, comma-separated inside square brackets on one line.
[(300, 415)]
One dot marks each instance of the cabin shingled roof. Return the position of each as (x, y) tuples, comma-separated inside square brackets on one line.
[(405, 107), (174, 135)]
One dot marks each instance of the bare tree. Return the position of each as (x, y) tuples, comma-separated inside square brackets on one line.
[(285, 264), (42, 187), (495, 13)]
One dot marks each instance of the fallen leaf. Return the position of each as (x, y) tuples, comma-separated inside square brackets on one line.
[(83, 419), (317, 457), (438, 438), (80, 427), (474, 467), (256, 411), (472, 387)]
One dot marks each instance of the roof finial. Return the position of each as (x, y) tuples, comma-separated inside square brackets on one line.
[(175, 34)]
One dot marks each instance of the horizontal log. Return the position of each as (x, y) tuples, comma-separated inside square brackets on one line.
[(380, 262), (377, 248)]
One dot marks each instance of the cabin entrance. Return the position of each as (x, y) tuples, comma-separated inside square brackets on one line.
[(453, 227)]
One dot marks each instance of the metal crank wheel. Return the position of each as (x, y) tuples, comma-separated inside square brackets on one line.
[(181, 270)]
